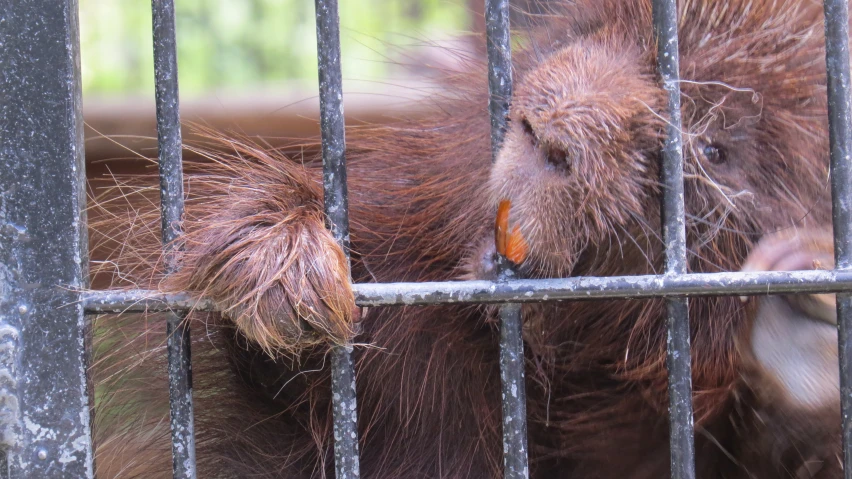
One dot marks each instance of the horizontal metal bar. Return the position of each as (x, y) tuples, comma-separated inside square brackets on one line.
[(139, 300), (520, 291)]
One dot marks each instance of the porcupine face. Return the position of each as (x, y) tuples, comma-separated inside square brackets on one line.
[(576, 158), (580, 161)]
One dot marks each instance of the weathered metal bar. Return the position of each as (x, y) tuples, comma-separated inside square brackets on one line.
[(44, 398), (514, 393), (171, 203), (139, 300), (840, 137), (336, 202), (678, 357), (520, 291), (499, 47)]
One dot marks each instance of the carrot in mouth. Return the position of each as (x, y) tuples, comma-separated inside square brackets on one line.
[(512, 244)]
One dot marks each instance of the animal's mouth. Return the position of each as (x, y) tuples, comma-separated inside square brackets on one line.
[(563, 203), (526, 258), (565, 197)]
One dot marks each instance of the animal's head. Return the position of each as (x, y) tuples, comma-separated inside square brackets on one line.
[(580, 160), (580, 165)]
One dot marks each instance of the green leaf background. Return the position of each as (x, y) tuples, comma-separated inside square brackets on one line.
[(245, 44)]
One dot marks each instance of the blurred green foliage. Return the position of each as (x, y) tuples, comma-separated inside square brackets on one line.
[(243, 44)]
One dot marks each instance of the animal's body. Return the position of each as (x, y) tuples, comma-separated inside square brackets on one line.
[(580, 166)]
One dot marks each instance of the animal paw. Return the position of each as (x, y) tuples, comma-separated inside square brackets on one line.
[(796, 252), (791, 366), (793, 338), (260, 250)]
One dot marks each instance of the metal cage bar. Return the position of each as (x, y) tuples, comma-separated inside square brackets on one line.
[(336, 204), (840, 138), (519, 291), (678, 357), (171, 203), (44, 398), (513, 387), (676, 284)]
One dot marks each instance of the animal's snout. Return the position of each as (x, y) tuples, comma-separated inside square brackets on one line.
[(575, 159), (558, 160), (585, 113)]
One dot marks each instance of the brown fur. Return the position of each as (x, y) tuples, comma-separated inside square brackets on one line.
[(579, 164)]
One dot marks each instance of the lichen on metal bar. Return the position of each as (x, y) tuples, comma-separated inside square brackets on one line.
[(840, 139), (171, 203), (518, 290), (336, 203), (45, 427), (678, 357)]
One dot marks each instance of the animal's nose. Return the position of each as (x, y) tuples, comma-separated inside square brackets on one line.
[(555, 157)]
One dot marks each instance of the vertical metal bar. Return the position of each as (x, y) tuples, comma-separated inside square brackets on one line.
[(515, 457), (336, 203), (44, 398), (678, 358), (840, 137), (513, 394), (171, 202), (499, 47)]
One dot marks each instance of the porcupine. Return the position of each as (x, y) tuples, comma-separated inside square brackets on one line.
[(580, 166)]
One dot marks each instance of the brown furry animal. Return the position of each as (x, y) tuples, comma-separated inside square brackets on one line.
[(580, 165)]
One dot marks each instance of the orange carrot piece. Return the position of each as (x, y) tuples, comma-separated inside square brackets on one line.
[(517, 247), (501, 228)]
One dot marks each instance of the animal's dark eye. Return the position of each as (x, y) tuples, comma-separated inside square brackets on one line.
[(715, 154)]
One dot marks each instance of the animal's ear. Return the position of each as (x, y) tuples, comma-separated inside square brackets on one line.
[(790, 348)]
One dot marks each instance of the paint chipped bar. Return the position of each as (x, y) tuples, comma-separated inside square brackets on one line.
[(513, 388), (518, 291), (336, 203), (170, 164), (678, 357), (45, 427), (840, 140)]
